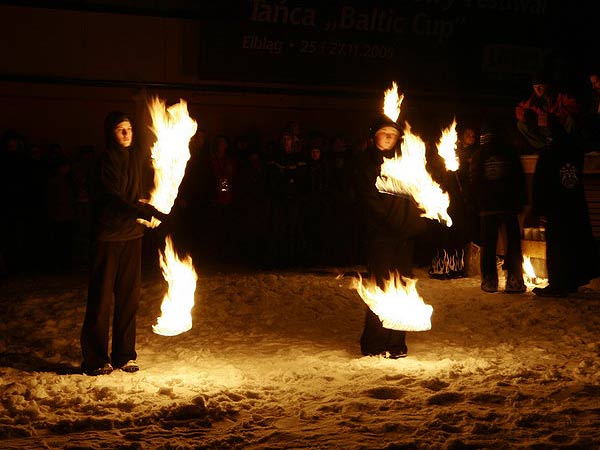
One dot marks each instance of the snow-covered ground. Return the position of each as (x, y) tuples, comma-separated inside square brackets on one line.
[(273, 362)]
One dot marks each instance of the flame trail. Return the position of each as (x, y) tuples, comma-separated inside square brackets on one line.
[(178, 302), (392, 102), (447, 147), (407, 174), (173, 128), (398, 305)]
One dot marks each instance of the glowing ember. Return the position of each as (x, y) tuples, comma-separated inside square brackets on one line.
[(392, 102), (178, 302), (530, 277), (407, 175), (398, 305), (173, 128), (447, 147)]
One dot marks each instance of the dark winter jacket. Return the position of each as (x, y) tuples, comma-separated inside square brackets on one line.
[(557, 191), (318, 178), (287, 177), (497, 178), (115, 187), (386, 216)]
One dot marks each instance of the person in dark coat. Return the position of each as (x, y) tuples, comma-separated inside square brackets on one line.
[(499, 187), (287, 186), (13, 195), (319, 216), (466, 147), (115, 269), (391, 224), (558, 199), (590, 120)]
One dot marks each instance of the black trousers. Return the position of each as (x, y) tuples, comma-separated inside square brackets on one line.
[(115, 272), (383, 256), (513, 259)]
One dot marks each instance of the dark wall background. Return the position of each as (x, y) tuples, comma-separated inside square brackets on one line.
[(256, 64)]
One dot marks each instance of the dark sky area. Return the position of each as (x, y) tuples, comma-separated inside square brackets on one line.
[(466, 46), (448, 56)]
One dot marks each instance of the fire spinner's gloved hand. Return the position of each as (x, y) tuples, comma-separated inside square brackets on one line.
[(146, 211)]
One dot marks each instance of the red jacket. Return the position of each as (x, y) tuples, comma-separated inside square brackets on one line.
[(560, 105)]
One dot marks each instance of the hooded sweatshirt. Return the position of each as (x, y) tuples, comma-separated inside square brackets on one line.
[(116, 186)]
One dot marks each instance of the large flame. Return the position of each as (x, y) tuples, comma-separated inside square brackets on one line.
[(447, 147), (398, 305), (392, 102), (173, 128), (408, 175), (178, 302)]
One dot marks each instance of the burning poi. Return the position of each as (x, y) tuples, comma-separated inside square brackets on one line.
[(447, 147), (173, 128), (178, 302), (398, 304)]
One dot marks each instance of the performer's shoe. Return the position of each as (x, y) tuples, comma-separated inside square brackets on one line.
[(489, 285), (387, 354), (515, 285), (130, 366), (396, 354), (104, 370), (549, 291)]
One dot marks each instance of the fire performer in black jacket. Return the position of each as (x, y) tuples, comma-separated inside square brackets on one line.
[(391, 224), (116, 252)]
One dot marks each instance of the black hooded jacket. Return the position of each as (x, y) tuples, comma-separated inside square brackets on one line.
[(116, 186), (385, 216)]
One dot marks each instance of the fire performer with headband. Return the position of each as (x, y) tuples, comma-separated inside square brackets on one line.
[(116, 253), (391, 224)]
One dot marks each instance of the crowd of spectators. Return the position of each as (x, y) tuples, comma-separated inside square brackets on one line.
[(45, 205), (287, 203)]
